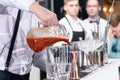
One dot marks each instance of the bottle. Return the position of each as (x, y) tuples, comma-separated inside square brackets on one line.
[(39, 38)]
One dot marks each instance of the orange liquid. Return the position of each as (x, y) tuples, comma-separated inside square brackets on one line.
[(38, 44)]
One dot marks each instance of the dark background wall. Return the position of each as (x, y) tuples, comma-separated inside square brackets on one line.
[(58, 4), (83, 10)]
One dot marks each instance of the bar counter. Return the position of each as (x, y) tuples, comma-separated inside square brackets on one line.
[(108, 72)]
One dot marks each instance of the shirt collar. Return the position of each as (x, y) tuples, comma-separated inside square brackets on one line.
[(94, 20), (90, 19), (71, 20)]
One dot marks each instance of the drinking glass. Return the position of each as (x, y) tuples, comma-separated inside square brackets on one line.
[(57, 65), (88, 46), (96, 54)]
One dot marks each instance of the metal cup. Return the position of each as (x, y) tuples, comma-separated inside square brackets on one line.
[(81, 59), (96, 58), (74, 59), (100, 55)]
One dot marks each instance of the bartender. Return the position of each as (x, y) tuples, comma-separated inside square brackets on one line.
[(71, 21), (21, 59)]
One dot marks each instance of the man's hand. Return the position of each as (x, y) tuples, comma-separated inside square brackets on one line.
[(47, 17)]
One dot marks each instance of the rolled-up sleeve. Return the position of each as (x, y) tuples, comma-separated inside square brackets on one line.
[(20, 4)]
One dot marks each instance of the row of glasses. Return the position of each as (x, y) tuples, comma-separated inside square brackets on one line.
[(89, 47), (61, 63)]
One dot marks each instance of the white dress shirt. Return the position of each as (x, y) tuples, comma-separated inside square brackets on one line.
[(93, 27), (76, 25), (22, 54), (20, 4)]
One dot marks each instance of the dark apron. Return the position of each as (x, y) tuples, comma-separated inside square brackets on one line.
[(76, 34)]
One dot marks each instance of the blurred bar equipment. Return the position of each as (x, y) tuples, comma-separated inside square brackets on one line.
[(96, 60), (105, 37), (92, 55), (81, 60), (58, 66), (74, 56)]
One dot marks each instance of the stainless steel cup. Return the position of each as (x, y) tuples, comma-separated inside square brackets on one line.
[(96, 58), (81, 59), (100, 57)]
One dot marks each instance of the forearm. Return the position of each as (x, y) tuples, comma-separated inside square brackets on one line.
[(36, 9), (47, 17)]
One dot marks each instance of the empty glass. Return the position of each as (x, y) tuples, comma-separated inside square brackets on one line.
[(58, 66)]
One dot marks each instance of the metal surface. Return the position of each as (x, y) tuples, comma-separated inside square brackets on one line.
[(74, 69)]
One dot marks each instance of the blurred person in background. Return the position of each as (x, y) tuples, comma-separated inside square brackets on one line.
[(94, 22), (72, 22), (114, 37), (31, 14)]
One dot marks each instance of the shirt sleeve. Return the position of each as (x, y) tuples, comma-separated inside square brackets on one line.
[(113, 49), (39, 60), (20, 4)]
